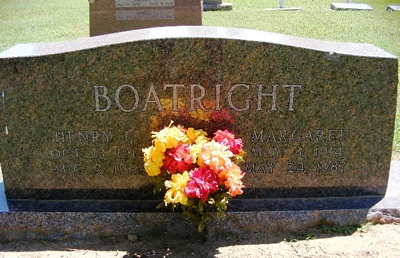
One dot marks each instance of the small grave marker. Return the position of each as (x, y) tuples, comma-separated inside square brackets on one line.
[(350, 6), (216, 5), (393, 8), (282, 8)]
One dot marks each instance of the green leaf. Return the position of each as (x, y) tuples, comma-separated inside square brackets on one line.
[(200, 228), (160, 205)]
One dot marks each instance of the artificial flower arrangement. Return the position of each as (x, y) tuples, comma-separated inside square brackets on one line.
[(199, 174)]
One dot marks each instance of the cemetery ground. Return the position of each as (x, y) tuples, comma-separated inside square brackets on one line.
[(322, 241)]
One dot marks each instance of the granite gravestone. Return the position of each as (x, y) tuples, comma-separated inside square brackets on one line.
[(109, 16), (316, 117)]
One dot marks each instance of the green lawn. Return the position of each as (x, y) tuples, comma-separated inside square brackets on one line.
[(56, 20), (317, 20), (23, 21)]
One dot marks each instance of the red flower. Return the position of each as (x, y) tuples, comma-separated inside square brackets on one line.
[(202, 183), (228, 139), (178, 159)]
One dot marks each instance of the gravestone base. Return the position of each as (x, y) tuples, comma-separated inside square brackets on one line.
[(269, 216), (218, 7), (77, 225), (350, 6), (57, 226), (393, 8)]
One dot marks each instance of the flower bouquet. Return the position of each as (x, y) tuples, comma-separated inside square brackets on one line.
[(199, 174)]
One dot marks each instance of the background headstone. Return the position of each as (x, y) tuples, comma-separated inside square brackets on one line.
[(109, 16), (216, 5), (316, 117)]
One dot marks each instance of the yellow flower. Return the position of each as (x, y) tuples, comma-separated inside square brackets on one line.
[(195, 151), (152, 169), (215, 155), (168, 138), (176, 187), (196, 136), (153, 161)]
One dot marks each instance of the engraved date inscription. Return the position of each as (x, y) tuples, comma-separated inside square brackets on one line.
[(90, 152), (297, 151)]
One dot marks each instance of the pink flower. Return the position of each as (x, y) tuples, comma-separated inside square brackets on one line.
[(228, 139), (178, 159), (202, 183)]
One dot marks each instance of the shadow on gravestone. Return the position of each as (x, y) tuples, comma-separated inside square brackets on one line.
[(316, 118)]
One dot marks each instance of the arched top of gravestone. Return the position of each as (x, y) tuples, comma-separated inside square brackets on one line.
[(176, 32)]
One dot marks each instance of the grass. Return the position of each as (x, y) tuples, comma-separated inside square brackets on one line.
[(328, 229), (24, 21), (377, 27)]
